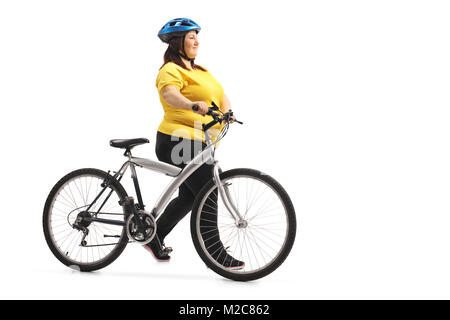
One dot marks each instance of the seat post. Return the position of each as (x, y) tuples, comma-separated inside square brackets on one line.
[(135, 179), (127, 153), (136, 182)]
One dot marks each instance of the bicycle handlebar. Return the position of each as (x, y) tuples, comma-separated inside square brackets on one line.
[(216, 116), (195, 108)]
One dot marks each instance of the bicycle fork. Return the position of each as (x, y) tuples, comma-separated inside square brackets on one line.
[(224, 193)]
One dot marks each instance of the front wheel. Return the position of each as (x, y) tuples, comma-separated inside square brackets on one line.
[(257, 244)]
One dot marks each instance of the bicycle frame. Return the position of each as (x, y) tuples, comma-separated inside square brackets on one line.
[(180, 175)]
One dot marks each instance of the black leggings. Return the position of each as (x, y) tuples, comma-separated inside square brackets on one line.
[(172, 152)]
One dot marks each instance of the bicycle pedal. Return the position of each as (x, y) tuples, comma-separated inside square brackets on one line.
[(168, 250)]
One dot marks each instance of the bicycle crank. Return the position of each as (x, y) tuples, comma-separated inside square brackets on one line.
[(141, 227)]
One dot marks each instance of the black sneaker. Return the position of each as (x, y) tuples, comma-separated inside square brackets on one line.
[(158, 250), (229, 261), (232, 264)]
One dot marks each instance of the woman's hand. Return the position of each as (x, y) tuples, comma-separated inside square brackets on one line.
[(202, 107), (232, 118)]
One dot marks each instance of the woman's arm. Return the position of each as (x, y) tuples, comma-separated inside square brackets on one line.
[(175, 99)]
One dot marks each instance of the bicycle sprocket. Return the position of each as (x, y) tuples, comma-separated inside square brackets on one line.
[(141, 227)]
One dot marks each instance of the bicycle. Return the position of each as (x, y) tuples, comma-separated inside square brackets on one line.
[(240, 212)]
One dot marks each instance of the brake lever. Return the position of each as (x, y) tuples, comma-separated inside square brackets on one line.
[(230, 114)]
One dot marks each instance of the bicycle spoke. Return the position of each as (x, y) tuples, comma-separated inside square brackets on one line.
[(252, 199), (74, 205), (89, 189), (267, 209), (65, 236), (72, 196), (215, 235), (259, 196), (214, 221), (264, 203), (214, 228), (65, 202), (260, 248), (253, 251), (80, 192), (271, 230), (259, 238)]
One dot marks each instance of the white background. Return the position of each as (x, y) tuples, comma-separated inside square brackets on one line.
[(346, 103)]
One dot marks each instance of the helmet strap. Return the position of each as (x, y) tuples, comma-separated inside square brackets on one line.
[(184, 55)]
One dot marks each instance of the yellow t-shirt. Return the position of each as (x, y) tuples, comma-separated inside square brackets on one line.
[(195, 85)]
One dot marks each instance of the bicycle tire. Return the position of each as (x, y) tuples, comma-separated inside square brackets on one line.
[(199, 241)]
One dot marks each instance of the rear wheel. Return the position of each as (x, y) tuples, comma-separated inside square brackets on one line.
[(254, 246), (73, 239)]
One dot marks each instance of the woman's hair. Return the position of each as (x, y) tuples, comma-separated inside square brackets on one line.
[(172, 53)]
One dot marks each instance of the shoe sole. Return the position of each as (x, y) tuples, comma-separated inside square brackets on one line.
[(154, 256), (236, 268)]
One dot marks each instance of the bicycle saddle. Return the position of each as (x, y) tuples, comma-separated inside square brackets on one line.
[(127, 143)]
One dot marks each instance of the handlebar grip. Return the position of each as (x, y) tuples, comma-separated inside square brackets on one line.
[(210, 110)]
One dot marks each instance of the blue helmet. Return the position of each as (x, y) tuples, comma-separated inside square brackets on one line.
[(176, 28)]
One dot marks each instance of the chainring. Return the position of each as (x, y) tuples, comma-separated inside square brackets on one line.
[(141, 227)]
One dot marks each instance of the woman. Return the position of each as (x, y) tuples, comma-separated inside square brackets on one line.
[(182, 84)]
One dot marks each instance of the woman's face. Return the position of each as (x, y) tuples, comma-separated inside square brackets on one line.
[(191, 44)]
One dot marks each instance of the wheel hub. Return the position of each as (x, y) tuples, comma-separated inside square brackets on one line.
[(242, 224), (83, 220)]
